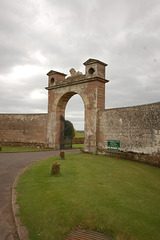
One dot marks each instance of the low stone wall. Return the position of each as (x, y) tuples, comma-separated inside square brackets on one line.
[(25, 144), (153, 160), (79, 140)]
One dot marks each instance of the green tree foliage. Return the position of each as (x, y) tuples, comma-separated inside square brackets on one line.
[(69, 129)]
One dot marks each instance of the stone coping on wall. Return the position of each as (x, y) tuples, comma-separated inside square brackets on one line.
[(141, 105)]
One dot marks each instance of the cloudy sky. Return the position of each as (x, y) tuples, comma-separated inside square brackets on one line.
[(39, 35)]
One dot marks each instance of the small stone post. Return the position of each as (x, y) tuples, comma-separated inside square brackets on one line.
[(55, 168), (62, 154), (81, 150)]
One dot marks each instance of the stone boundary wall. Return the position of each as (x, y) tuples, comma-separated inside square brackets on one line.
[(77, 140), (137, 128), (23, 130)]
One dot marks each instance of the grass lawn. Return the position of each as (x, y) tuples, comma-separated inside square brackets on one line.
[(20, 149), (117, 197), (75, 146)]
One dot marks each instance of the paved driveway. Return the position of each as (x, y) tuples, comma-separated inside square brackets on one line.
[(10, 165)]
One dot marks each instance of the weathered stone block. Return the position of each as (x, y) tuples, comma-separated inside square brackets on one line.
[(55, 168), (62, 154)]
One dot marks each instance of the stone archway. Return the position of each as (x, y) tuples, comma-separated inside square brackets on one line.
[(91, 88)]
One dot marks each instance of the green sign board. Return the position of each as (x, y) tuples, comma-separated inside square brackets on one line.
[(114, 143)]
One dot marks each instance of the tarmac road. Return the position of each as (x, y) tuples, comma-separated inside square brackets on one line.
[(11, 164)]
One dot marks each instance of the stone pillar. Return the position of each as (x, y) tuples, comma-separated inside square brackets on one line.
[(95, 73)]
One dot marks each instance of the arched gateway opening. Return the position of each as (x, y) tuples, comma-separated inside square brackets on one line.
[(74, 112), (91, 88), (65, 141)]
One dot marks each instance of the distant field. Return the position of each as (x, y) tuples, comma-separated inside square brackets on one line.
[(78, 135)]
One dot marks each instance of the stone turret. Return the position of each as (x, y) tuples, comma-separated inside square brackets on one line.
[(95, 68), (54, 77)]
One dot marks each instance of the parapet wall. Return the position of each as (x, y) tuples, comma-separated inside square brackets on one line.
[(23, 129), (137, 128)]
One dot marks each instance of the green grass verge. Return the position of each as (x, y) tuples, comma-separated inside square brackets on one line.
[(117, 197), (21, 149), (29, 149), (76, 146)]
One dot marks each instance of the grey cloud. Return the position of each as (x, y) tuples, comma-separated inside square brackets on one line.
[(17, 97)]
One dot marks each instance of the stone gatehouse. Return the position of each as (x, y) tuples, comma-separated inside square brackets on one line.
[(137, 128)]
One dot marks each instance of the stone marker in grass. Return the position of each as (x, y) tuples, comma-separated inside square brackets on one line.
[(62, 154), (55, 168)]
